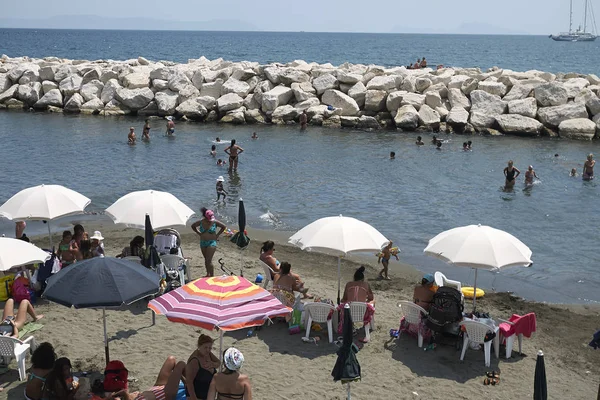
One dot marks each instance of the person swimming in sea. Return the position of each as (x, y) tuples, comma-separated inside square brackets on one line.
[(213, 150), (530, 175), (392, 155), (131, 136), (419, 141), (511, 173), (470, 145), (573, 172), (465, 146), (220, 163), (218, 140), (588, 168), (439, 145), (254, 136), (434, 140)]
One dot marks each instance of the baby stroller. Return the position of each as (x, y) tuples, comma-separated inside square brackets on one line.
[(445, 312), (168, 245)]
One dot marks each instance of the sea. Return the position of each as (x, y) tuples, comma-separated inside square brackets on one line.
[(290, 178)]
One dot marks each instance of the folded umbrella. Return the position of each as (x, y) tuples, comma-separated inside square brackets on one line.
[(240, 238), (347, 368)]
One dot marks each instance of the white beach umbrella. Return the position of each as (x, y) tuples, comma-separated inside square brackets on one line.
[(15, 252), (164, 209), (341, 235), (479, 247), (45, 203)]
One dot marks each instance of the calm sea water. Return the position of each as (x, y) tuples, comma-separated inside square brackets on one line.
[(519, 53), (289, 178)]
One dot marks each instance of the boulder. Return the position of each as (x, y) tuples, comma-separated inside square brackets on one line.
[(193, 109), (394, 100), (211, 76), (494, 88), (254, 117), (414, 99), (136, 80), (574, 86), (593, 79), (409, 84), (134, 99), (285, 113), (457, 118), (166, 102), (303, 91), (438, 88), (433, 99), (480, 120), (107, 75), (324, 82), (93, 74), (407, 118), (551, 94), (306, 104), (93, 106), (178, 81), (333, 122), (278, 96), (188, 92), (4, 82), (15, 73), (151, 109), (457, 81), (272, 74), (590, 99), (518, 124), (358, 92), (31, 74), (487, 103), (421, 84), (65, 71), (349, 77), (234, 86), (92, 90), (109, 90), (250, 102), (228, 102), (114, 107), (73, 105), (47, 72), (469, 85), (458, 99), (160, 84), (8, 93), (525, 107), (70, 85), (208, 102), (375, 100), (48, 86), (198, 79), (29, 93), (162, 73), (429, 117), (443, 76), (143, 61), (14, 104), (518, 92), (291, 75), (236, 116), (212, 116), (367, 123), (212, 89), (349, 122), (340, 100), (52, 97), (553, 116), (578, 128), (443, 112), (243, 74), (383, 82)]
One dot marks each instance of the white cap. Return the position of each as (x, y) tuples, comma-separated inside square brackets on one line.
[(97, 235), (220, 179)]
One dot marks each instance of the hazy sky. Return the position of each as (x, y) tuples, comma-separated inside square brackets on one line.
[(523, 16)]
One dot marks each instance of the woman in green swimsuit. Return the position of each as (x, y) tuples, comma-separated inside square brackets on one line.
[(42, 362), (206, 228)]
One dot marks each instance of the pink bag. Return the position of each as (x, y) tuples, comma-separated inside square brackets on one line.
[(20, 290)]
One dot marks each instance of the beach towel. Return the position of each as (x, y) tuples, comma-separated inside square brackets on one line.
[(413, 329), (366, 318), (29, 329), (595, 343), (521, 325)]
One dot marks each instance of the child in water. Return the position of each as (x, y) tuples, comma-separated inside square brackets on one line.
[(131, 136), (419, 141), (220, 162), (465, 146), (254, 136), (213, 150), (573, 172), (439, 145), (220, 190), (384, 258), (392, 155)]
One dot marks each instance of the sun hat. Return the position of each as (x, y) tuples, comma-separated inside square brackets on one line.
[(209, 215), (97, 235), (233, 359), (429, 278), (220, 179), (168, 118)]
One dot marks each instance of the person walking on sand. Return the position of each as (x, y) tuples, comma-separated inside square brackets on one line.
[(146, 131), (131, 136), (588, 168), (386, 254), (234, 151), (303, 120), (170, 127), (529, 175), (511, 173), (220, 190)]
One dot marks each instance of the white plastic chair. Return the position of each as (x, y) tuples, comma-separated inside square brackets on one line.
[(412, 313), (14, 348), (441, 280), (173, 262), (318, 312), (475, 333), (133, 258), (267, 271), (357, 311)]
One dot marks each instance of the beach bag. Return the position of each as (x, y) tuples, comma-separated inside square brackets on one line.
[(6, 283), (20, 290), (115, 376), (446, 308)]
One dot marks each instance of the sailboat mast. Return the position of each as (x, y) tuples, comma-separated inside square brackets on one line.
[(585, 16), (571, 17)]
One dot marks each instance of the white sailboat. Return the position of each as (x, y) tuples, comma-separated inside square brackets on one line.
[(579, 35)]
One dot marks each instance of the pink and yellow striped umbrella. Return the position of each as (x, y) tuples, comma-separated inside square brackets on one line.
[(226, 302)]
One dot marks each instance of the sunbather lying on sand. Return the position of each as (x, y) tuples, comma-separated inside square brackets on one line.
[(11, 324)]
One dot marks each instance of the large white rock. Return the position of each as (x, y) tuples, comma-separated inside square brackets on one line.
[(107, 75), (481, 120), (29, 93), (285, 113), (409, 84), (93, 106), (590, 99), (198, 79), (47, 72), (375, 100), (383, 82), (134, 99), (114, 107), (292, 75), (458, 99), (422, 83), (52, 98), (64, 71), (8, 93), (394, 100), (526, 107), (324, 82), (15, 73), (457, 81), (236, 116), (250, 102), (70, 85), (163, 73), (551, 94), (234, 86), (160, 84), (575, 85), (31, 74), (94, 74), (5, 82), (109, 90), (438, 88), (593, 79), (73, 105), (518, 124), (553, 116), (578, 128), (495, 88), (212, 89), (358, 93), (188, 92), (340, 100), (166, 102), (414, 99), (407, 118), (278, 96), (457, 118), (303, 91), (48, 86), (428, 116), (469, 85), (518, 92), (228, 102), (433, 99), (348, 77), (208, 102), (193, 109), (91, 90), (178, 81), (443, 76), (136, 80), (272, 74), (487, 103), (243, 74)]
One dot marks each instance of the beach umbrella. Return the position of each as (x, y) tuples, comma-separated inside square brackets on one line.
[(44, 203), (240, 238), (479, 247), (341, 235), (347, 368), (15, 252), (102, 282), (540, 388), (164, 209), (228, 303)]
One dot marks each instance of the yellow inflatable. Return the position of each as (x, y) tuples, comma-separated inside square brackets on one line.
[(468, 292), (393, 251)]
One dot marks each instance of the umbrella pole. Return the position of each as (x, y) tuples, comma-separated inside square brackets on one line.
[(348, 396), (339, 277), (475, 290), (220, 349), (49, 234), (105, 336)]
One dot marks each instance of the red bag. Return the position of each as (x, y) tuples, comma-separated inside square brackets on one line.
[(115, 376)]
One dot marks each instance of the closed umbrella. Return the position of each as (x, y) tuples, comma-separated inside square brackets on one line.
[(15, 252), (347, 368), (479, 247), (164, 209), (540, 388), (240, 238), (340, 234), (102, 282), (44, 203)]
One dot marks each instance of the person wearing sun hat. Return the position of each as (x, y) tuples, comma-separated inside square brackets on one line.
[(220, 190), (230, 383), (423, 294), (97, 244)]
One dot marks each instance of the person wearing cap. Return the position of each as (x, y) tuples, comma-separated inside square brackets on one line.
[(206, 228), (423, 294), (97, 245), (220, 190), (230, 384), (529, 175)]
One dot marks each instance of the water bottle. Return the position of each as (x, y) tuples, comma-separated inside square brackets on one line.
[(250, 332)]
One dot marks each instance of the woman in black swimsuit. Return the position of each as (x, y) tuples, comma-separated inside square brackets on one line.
[(11, 324), (229, 384), (511, 173), (201, 367)]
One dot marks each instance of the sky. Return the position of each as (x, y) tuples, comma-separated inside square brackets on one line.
[(385, 16)]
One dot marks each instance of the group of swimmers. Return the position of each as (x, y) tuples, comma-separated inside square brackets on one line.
[(421, 63), (132, 138)]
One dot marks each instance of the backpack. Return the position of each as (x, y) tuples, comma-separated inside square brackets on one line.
[(115, 376), (20, 290), (446, 308)]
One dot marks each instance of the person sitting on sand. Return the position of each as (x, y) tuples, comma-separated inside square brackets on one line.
[(42, 362), (511, 173), (423, 294), (59, 382), (286, 283), (384, 258), (529, 175), (201, 367), (573, 172), (67, 249), (358, 289), (254, 136), (588, 168), (11, 324), (230, 384), (266, 256), (213, 150), (131, 136), (146, 131), (135, 248), (419, 141)]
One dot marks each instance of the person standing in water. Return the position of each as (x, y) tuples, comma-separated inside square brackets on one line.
[(529, 175), (419, 141), (213, 150), (234, 151), (392, 155), (588, 168), (220, 189), (146, 131), (469, 145), (254, 135), (511, 173), (131, 136), (170, 126), (303, 120), (386, 254)]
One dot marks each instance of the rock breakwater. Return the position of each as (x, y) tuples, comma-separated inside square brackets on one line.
[(461, 100)]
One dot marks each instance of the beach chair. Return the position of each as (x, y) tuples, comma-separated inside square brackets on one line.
[(267, 271), (14, 348), (441, 280), (516, 326), (173, 262), (475, 333), (413, 314), (319, 313), (357, 311)]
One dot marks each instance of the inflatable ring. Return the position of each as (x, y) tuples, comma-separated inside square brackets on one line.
[(468, 292)]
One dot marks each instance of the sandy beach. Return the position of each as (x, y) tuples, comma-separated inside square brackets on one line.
[(281, 366)]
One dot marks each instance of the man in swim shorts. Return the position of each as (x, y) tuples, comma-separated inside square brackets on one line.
[(170, 126), (386, 254), (588, 168), (234, 151)]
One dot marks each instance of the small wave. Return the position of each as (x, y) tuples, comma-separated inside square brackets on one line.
[(221, 142), (270, 218)]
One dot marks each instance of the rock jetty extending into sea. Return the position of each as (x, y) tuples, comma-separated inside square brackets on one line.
[(461, 100)]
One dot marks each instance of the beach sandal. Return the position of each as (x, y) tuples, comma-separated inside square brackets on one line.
[(493, 374), (491, 381)]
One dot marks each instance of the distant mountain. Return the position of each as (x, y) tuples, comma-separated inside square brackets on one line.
[(469, 28), (97, 22)]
